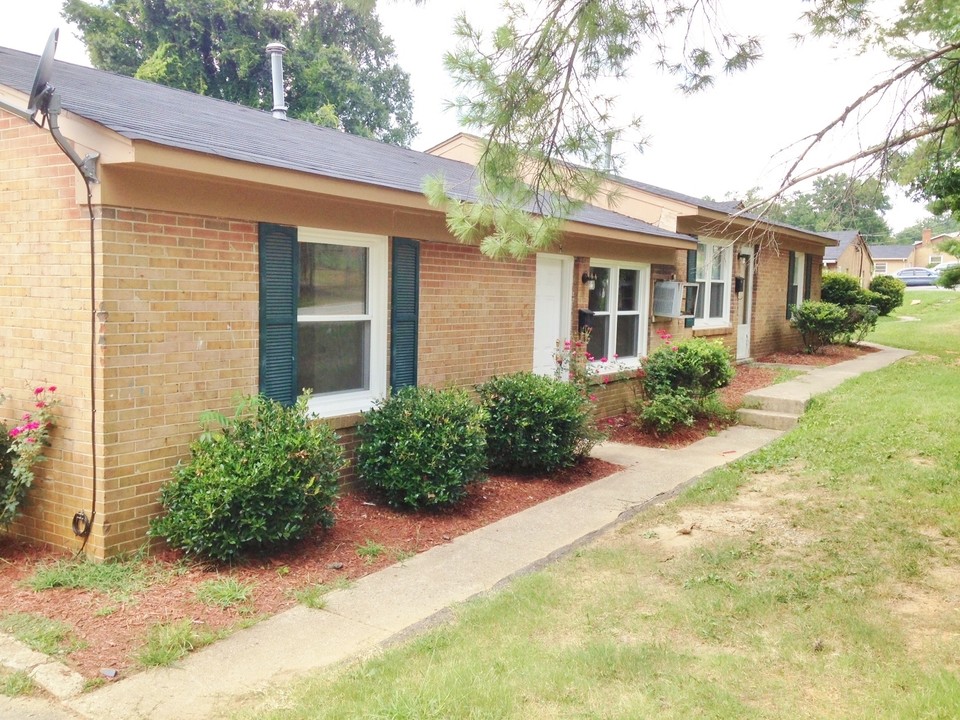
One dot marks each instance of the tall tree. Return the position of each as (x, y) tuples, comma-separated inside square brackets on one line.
[(839, 202), (343, 68), (533, 88)]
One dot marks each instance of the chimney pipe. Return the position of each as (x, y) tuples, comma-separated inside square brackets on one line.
[(276, 51)]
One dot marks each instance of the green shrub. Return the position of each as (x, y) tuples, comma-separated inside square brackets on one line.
[(890, 291), (268, 477), (420, 447), (536, 423), (949, 278), (698, 366), (665, 412), (841, 289), (819, 323)]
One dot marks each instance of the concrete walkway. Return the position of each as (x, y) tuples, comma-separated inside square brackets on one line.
[(399, 601)]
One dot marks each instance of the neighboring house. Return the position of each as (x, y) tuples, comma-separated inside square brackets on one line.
[(928, 253), (232, 252), (887, 259), (850, 256)]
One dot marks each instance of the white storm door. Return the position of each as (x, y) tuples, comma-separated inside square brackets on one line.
[(746, 309), (553, 309)]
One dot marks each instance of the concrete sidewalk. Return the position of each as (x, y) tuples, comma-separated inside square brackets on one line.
[(402, 599)]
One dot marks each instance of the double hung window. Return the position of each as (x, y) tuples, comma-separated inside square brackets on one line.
[(714, 271), (618, 302)]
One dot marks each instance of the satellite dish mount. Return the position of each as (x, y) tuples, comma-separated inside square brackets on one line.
[(45, 100)]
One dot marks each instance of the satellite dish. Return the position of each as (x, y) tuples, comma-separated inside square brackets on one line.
[(41, 89)]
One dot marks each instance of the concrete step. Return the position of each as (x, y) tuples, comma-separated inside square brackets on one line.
[(767, 419), (789, 404)]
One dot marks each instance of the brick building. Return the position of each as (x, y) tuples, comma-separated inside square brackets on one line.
[(230, 252)]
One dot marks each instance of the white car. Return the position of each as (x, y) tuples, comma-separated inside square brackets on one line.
[(944, 265)]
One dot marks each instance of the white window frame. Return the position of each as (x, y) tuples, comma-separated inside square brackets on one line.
[(879, 268), (704, 274), (354, 401), (643, 292), (799, 274), (935, 260)]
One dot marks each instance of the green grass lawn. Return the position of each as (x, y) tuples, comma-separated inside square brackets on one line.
[(817, 578)]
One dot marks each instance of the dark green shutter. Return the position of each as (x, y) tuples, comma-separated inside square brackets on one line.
[(279, 287), (807, 275), (791, 288), (404, 313), (691, 277)]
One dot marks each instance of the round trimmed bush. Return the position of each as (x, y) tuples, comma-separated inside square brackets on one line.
[(536, 423), (700, 367), (841, 289), (420, 447), (819, 323), (268, 477), (890, 291)]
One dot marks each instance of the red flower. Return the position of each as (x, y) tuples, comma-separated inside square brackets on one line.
[(39, 391)]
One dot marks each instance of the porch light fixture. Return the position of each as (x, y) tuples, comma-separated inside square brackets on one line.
[(589, 280)]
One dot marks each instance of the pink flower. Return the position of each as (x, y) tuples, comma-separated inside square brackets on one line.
[(603, 359), (26, 417), (52, 388), (40, 404), (39, 391), (15, 431), (674, 348), (616, 355), (31, 440), (31, 426), (606, 379)]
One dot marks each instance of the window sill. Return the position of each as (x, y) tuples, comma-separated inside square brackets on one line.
[(336, 406), (712, 331)]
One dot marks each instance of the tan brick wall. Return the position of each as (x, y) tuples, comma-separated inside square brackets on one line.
[(178, 335), (46, 313), (476, 315)]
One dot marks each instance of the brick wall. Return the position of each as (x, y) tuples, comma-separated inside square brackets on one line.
[(178, 335), (45, 316), (476, 315)]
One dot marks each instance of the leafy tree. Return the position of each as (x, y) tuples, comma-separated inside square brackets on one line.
[(839, 202), (342, 68), (533, 87)]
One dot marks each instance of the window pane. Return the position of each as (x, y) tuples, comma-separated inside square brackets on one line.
[(628, 327), (701, 293), (702, 265), (333, 357), (333, 280), (600, 295), (716, 263), (716, 300), (598, 337), (627, 292)]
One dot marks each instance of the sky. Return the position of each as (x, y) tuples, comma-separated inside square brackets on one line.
[(740, 134)]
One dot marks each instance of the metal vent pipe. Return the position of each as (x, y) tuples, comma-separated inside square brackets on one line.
[(276, 51)]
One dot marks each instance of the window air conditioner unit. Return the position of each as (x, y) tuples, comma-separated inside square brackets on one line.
[(675, 299)]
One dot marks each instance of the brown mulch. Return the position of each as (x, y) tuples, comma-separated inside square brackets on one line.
[(830, 355), (111, 628)]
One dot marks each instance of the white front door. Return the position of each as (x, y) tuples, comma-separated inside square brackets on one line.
[(553, 309), (746, 297)]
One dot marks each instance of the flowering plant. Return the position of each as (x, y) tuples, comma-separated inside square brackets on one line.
[(24, 445)]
